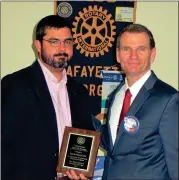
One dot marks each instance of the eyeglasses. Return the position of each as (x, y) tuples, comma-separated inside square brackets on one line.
[(56, 42)]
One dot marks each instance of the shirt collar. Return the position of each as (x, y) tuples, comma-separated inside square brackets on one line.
[(138, 84), (48, 75)]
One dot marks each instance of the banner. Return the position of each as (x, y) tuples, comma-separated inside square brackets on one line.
[(110, 80), (98, 172), (95, 26)]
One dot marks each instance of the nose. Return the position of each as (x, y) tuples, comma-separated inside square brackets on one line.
[(134, 54), (61, 46)]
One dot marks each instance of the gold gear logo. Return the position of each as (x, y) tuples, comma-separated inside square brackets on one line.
[(93, 31)]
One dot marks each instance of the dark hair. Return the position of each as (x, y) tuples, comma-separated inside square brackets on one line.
[(137, 28), (50, 22)]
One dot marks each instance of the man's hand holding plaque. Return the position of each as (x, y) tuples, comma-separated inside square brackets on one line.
[(78, 152)]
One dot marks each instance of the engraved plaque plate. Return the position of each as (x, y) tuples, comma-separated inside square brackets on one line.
[(78, 151)]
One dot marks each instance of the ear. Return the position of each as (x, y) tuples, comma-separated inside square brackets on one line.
[(153, 54), (37, 44), (117, 55)]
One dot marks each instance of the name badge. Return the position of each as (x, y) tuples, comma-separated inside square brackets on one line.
[(130, 124)]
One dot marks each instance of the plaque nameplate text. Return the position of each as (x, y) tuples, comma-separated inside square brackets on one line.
[(78, 151)]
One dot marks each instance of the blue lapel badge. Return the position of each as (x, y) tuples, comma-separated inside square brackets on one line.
[(130, 124)]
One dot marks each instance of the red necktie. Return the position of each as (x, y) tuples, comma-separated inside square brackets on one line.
[(125, 106)]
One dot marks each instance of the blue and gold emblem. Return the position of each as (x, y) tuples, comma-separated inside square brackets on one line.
[(64, 9)]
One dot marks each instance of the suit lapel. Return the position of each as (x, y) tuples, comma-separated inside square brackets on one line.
[(136, 105), (142, 95), (108, 129), (138, 102), (42, 93)]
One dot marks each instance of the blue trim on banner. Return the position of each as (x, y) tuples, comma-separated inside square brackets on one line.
[(103, 103), (111, 77), (98, 172)]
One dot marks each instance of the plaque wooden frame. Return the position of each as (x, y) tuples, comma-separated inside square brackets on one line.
[(94, 135)]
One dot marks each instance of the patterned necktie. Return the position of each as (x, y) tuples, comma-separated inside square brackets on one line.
[(125, 106)]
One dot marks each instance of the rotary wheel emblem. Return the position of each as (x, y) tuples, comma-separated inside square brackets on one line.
[(80, 140), (93, 31)]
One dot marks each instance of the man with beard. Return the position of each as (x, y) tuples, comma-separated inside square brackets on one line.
[(38, 102)]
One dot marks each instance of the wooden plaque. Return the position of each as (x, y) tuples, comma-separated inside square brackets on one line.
[(78, 151)]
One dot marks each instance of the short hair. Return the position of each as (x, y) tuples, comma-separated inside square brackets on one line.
[(137, 28), (50, 22)]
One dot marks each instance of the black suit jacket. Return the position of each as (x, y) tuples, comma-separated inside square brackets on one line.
[(29, 127)]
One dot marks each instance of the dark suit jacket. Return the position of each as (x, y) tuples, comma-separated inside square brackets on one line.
[(29, 127), (152, 152)]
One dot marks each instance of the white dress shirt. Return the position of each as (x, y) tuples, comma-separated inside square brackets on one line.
[(59, 95), (118, 101)]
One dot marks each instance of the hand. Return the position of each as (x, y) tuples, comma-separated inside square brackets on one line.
[(72, 175)]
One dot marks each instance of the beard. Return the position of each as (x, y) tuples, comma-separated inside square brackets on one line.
[(56, 61)]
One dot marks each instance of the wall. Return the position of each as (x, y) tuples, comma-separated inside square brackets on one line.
[(162, 19), (19, 18)]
